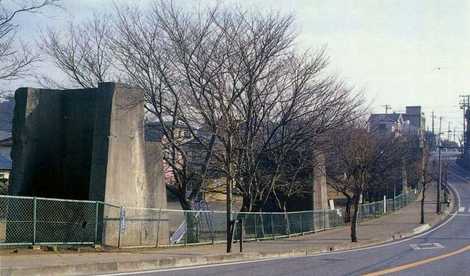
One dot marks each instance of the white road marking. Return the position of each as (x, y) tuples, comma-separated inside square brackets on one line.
[(424, 246)]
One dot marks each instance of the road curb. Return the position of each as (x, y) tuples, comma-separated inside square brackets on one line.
[(421, 228), (172, 262)]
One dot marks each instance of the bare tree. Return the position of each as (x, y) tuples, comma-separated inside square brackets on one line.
[(233, 75), (150, 50), (356, 158), (16, 58), (82, 53), (429, 175)]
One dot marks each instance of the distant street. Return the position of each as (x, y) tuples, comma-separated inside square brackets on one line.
[(444, 250)]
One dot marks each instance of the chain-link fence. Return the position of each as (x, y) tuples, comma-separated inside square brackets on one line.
[(379, 208), (28, 220)]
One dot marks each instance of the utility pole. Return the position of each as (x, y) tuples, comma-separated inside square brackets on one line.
[(448, 131), (387, 107), (464, 104), (229, 190), (433, 133), (438, 201)]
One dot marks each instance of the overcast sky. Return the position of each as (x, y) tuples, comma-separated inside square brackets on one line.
[(399, 52)]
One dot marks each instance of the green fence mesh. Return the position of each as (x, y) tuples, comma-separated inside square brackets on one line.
[(28, 220)]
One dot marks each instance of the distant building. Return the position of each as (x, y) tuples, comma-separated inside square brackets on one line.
[(195, 152), (411, 123), (154, 131), (5, 168), (415, 121), (386, 124), (6, 142), (5, 161)]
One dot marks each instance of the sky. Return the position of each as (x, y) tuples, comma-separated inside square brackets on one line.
[(398, 52)]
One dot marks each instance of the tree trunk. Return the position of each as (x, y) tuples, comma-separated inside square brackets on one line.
[(246, 204), (286, 220), (347, 215), (423, 193), (192, 227), (192, 223), (229, 229), (355, 218)]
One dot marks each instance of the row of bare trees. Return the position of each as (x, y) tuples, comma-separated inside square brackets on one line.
[(237, 75), (254, 105)]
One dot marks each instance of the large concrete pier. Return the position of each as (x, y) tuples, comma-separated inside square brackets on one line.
[(88, 144)]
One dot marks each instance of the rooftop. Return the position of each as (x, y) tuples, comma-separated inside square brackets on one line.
[(382, 117), (5, 163)]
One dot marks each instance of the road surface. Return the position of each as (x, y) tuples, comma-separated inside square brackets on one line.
[(445, 250)]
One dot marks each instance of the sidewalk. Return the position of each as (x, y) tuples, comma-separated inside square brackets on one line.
[(401, 224)]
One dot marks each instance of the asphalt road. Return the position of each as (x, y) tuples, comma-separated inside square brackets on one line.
[(444, 250)]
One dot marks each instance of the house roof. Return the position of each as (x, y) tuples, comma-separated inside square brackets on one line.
[(5, 163), (4, 135), (390, 117)]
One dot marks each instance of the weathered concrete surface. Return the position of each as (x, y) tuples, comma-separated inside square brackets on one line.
[(52, 143), (157, 191), (125, 170), (320, 189), (89, 144)]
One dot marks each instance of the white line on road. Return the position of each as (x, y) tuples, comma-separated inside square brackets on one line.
[(424, 246)]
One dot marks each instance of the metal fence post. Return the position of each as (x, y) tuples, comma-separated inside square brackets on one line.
[(212, 228), (272, 226), (287, 221), (385, 204), (301, 224), (34, 219), (241, 234), (256, 226), (96, 221), (186, 228), (313, 220)]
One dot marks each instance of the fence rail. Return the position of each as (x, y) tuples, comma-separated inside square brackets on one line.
[(34, 220)]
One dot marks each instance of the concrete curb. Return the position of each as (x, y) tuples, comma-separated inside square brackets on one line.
[(172, 262), (160, 263), (421, 228)]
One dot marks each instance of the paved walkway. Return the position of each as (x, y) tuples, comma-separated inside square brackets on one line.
[(401, 223)]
